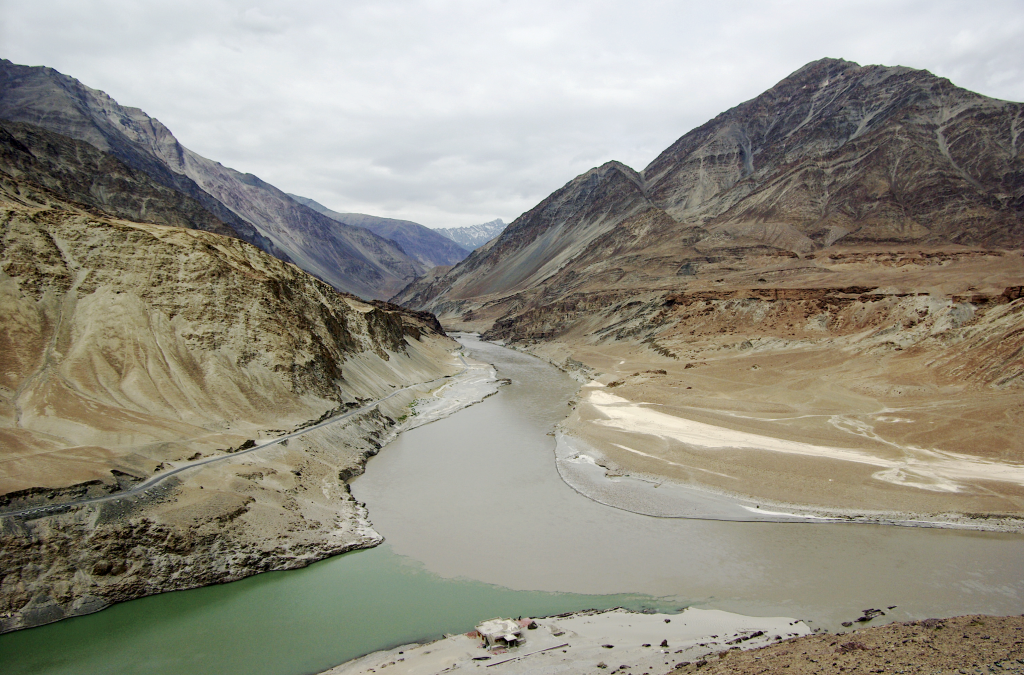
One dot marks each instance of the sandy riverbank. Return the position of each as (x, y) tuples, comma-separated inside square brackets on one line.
[(791, 430), (717, 643), (588, 642)]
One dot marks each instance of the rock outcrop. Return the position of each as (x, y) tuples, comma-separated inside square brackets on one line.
[(78, 172)]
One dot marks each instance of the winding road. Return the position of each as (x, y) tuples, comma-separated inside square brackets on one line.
[(155, 480)]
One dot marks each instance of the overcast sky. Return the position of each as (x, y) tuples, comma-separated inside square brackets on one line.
[(453, 113)]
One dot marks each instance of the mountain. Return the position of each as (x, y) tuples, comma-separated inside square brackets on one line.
[(80, 173), (473, 237), (130, 349), (840, 153), (419, 242), (829, 274), (835, 155), (349, 258)]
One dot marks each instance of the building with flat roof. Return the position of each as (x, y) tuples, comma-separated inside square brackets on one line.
[(501, 633)]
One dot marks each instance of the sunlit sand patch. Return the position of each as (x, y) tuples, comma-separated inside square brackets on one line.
[(669, 461), (921, 468)]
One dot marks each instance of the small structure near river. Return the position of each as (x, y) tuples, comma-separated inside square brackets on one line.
[(501, 633)]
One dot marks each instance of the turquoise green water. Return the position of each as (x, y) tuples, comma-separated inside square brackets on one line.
[(484, 459), (281, 623)]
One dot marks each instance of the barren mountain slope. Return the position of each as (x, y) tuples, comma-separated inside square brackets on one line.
[(837, 152), (539, 242), (350, 259), (421, 243), (78, 172), (45, 98), (128, 349), (836, 263), (834, 155), (473, 237)]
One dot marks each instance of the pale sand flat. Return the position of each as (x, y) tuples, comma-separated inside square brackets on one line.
[(923, 468), (576, 643)]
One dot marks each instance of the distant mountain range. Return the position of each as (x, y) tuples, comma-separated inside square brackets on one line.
[(422, 243), (473, 237), (350, 258), (433, 247)]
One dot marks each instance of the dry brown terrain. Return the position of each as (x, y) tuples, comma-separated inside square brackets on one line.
[(899, 399), (966, 644), (813, 298), (899, 372)]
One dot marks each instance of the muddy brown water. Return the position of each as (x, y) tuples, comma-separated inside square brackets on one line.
[(477, 496), (478, 523)]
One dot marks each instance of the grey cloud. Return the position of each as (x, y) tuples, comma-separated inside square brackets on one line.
[(451, 113)]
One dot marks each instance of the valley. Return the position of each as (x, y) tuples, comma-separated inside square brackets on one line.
[(800, 325), (788, 273), (259, 398)]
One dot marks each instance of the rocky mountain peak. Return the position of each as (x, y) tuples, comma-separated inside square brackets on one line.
[(834, 154), (817, 149), (473, 237)]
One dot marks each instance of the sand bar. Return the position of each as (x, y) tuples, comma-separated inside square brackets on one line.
[(588, 642), (927, 469)]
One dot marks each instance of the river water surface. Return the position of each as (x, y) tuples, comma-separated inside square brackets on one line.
[(479, 524), (476, 496)]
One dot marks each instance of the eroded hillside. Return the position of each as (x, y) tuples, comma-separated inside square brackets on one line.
[(351, 259), (129, 349)]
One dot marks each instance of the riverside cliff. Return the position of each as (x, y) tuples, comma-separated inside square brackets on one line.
[(128, 349)]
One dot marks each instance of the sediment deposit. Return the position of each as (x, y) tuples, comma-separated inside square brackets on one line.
[(708, 641)]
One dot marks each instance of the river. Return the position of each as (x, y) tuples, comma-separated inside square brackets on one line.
[(476, 496), (478, 524)]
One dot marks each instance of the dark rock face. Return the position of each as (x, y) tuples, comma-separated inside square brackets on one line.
[(844, 153), (350, 259), (45, 98), (534, 246), (79, 172)]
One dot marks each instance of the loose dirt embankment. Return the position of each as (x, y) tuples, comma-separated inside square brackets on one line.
[(966, 644)]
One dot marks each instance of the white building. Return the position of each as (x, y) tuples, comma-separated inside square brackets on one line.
[(501, 633)]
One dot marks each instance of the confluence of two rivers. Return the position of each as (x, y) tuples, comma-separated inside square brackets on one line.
[(478, 524)]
